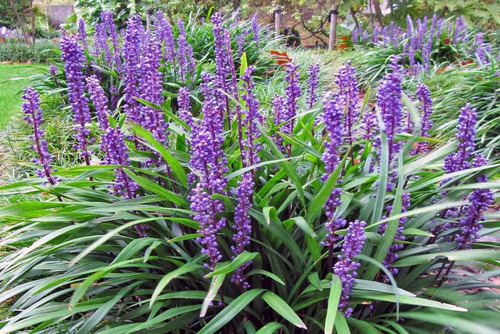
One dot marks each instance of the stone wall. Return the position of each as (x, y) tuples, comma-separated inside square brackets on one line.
[(57, 14)]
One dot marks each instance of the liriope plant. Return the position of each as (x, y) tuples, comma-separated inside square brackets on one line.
[(333, 217)]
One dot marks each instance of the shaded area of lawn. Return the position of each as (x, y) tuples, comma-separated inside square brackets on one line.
[(13, 78)]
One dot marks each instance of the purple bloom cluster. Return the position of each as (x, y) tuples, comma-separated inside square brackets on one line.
[(33, 115), (424, 97), (346, 266), (312, 85), (459, 160), (391, 255), (348, 98), (72, 55), (479, 200)]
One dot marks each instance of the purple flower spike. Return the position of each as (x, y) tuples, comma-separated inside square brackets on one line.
[(332, 118), (163, 30), (72, 55), (209, 165), (82, 34), (99, 100), (252, 118), (348, 98), (117, 154), (389, 101), (312, 85), (185, 52), (424, 97), (292, 94), (278, 113), (185, 107), (346, 266), (150, 89), (369, 125), (131, 55), (109, 23), (255, 28), (479, 200), (242, 225), (33, 115), (459, 160)]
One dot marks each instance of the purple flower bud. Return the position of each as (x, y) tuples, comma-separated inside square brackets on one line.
[(278, 113)]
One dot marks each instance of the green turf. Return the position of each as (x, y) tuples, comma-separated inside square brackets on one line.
[(10, 90)]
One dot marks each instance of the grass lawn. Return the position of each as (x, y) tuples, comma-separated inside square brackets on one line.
[(10, 90)]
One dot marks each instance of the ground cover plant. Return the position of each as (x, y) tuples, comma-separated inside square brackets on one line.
[(219, 189)]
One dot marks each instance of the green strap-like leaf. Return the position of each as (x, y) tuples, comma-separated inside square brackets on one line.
[(233, 265), (283, 309), (333, 304), (184, 269), (230, 311), (212, 292)]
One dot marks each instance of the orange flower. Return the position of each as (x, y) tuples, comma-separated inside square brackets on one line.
[(281, 58)]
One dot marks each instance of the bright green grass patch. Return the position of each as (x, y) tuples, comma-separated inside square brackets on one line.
[(11, 87)]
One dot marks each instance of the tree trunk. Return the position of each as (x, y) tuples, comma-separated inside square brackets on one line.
[(33, 27), (378, 11), (354, 18), (332, 40), (25, 33)]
